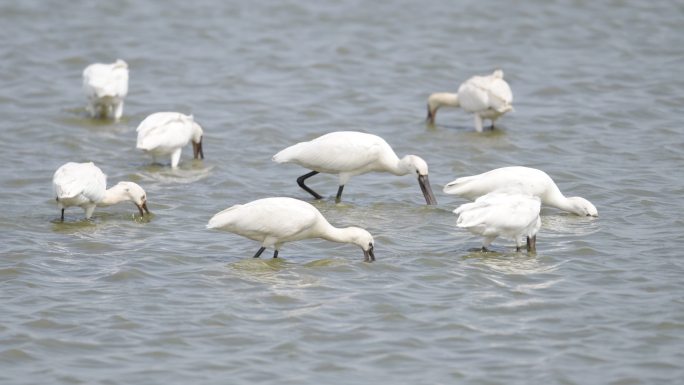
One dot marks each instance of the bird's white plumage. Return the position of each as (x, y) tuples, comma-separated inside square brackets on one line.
[(79, 184), (524, 180), (274, 221), (486, 97), (501, 214), (342, 152), (85, 185), (106, 86), (349, 153), (271, 221), (166, 133)]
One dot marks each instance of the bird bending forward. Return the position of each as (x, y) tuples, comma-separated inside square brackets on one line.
[(275, 221), (106, 86), (85, 185), (166, 133), (525, 180), (486, 97), (349, 153), (499, 214)]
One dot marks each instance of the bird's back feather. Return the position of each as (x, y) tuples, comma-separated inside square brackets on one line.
[(164, 130), (480, 93), (337, 152), (278, 218), (501, 214), (106, 80), (74, 179)]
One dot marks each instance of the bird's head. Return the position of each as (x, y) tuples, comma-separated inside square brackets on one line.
[(437, 100), (583, 207), (416, 164), (364, 240), (134, 193)]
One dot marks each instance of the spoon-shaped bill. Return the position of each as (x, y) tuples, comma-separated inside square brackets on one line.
[(424, 183)]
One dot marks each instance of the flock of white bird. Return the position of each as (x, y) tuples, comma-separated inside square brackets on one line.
[(506, 201)]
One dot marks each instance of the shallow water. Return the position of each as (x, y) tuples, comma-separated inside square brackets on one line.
[(598, 90)]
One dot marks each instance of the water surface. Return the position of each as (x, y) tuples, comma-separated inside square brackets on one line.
[(598, 90)]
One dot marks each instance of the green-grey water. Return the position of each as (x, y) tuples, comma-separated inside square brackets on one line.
[(598, 95)]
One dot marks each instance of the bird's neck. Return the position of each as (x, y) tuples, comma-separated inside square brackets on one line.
[(399, 166), (336, 234), (113, 196), (442, 99), (556, 199)]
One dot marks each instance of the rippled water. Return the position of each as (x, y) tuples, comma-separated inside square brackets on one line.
[(598, 88)]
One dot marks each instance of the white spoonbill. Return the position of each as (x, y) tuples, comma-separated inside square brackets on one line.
[(509, 215), (487, 97), (85, 185), (166, 133), (349, 153), (106, 86), (274, 221), (525, 180)]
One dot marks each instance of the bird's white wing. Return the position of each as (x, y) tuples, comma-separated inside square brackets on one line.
[(500, 95), (166, 129), (275, 217), (513, 179), (500, 212), (500, 91), (101, 80), (472, 97), (73, 179), (335, 152), (484, 92)]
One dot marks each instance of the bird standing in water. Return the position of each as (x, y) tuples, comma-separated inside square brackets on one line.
[(349, 153), (275, 221)]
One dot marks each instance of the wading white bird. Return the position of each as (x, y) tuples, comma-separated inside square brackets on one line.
[(349, 153), (85, 185), (166, 133), (274, 221), (500, 214), (525, 180), (487, 97), (106, 86)]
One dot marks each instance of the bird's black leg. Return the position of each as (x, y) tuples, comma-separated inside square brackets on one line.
[(532, 243), (275, 254), (258, 253), (300, 182), (338, 198), (62, 215)]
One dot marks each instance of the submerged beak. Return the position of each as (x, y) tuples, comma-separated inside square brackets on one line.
[(142, 207), (368, 255), (424, 183), (197, 151), (430, 116)]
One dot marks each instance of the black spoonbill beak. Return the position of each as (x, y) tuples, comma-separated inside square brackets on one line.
[(430, 115), (197, 151), (424, 183), (142, 207), (368, 255)]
